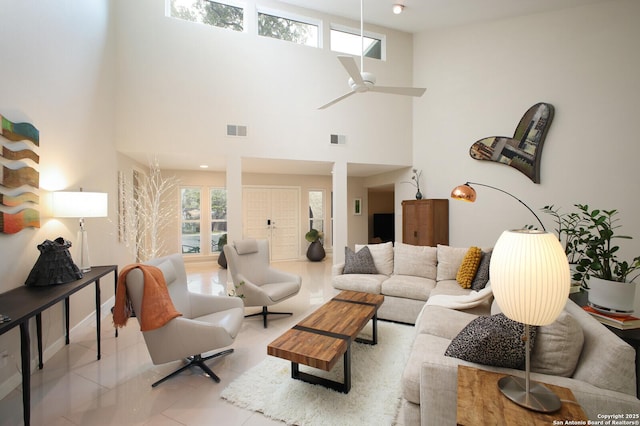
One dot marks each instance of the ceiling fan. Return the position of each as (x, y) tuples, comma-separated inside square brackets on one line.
[(361, 81)]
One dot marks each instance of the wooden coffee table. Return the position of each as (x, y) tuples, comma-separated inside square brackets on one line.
[(323, 337)]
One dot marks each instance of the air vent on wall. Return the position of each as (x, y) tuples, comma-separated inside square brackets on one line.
[(338, 139), (236, 130)]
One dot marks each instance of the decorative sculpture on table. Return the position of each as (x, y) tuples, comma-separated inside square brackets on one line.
[(524, 149), (19, 176)]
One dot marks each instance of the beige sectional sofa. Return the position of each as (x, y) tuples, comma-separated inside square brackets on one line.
[(576, 351), (407, 276)]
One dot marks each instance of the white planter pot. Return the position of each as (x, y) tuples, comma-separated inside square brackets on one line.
[(611, 294)]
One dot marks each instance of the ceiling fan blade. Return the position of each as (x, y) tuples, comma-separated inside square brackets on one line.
[(336, 100), (406, 91), (350, 65)]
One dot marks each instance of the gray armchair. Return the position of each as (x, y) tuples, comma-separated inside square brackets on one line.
[(207, 323), (255, 280)]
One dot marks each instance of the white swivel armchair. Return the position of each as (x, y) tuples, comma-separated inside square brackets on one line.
[(256, 282), (207, 323)]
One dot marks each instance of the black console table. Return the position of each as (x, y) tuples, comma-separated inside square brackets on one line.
[(23, 303)]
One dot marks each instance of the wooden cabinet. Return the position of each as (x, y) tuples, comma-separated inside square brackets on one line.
[(425, 222)]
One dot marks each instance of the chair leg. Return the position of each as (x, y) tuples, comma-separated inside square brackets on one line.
[(196, 361), (266, 312)]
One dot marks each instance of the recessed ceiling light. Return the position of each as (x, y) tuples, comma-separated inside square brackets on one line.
[(204, 166), (398, 8)]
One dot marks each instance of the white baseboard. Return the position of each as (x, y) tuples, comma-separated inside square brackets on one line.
[(15, 380)]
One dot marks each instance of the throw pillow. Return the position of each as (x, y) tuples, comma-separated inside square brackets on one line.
[(382, 256), (417, 261), (558, 347), (468, 267), (482, 274), (449, 261), (492, 340), (359, 262)]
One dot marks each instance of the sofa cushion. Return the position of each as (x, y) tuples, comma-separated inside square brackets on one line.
[(442, 322), (366, 283), (491, 340), (449, 261), (468, 267), (482, 274), (450, 288), (359, 262), (558, 347), (419, 261), (382, 256), (408, 287)]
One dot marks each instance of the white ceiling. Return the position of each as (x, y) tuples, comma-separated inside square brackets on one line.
[(422, 15)]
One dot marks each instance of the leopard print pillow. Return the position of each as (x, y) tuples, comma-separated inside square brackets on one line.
[(492, 340)]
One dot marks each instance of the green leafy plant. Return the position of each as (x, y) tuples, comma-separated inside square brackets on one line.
[(599, 254), (222, 241), (572, 229), (313, 235)]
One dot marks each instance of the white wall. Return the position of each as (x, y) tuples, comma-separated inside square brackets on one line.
[(57, 73), (482, 78)]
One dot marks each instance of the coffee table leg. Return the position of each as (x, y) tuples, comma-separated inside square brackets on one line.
[(331, 384), (347, 370), (374, 338)]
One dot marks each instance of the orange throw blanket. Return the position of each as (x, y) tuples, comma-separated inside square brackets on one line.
[(157, 308)]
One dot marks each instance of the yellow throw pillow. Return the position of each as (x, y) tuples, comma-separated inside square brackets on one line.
[(469, 266)]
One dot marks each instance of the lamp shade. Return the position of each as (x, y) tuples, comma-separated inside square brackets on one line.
[(80, 204), (464, 193), (530, 276)]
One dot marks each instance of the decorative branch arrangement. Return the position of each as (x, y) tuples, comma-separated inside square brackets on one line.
[(415, 181), (144, 211)]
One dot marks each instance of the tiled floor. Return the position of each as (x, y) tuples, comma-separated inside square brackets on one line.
[(76, 389)]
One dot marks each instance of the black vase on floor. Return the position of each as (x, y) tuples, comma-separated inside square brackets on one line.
[(315, 252), (222, 260)]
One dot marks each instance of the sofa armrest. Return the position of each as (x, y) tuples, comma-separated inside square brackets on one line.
[(438, 393), (337, 269)]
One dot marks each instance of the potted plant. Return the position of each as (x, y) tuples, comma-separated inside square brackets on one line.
[(222, 259), (571, 229), (315, 251), (610, 280)]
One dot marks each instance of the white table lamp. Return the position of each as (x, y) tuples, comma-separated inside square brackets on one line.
[(530, 281), (81, 205)]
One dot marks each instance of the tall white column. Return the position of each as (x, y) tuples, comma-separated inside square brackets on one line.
[(234, 198), (340, 211)]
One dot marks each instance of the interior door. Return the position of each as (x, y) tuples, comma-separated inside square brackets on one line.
[(273, 213)]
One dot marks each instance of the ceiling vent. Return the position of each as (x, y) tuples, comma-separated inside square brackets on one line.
[(236, 130), (338, 139)]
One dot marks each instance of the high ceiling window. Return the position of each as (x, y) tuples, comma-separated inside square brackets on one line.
[(274, 25), (209, 12), (346, 40)]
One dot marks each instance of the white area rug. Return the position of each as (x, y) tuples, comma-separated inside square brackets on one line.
[(376, 372)]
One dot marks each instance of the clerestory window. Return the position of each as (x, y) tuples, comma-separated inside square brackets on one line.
[(208, 12), (346, 40), (296, 30)]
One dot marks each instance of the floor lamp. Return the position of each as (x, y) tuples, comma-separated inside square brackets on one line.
[(80, 205), (530, 279)]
